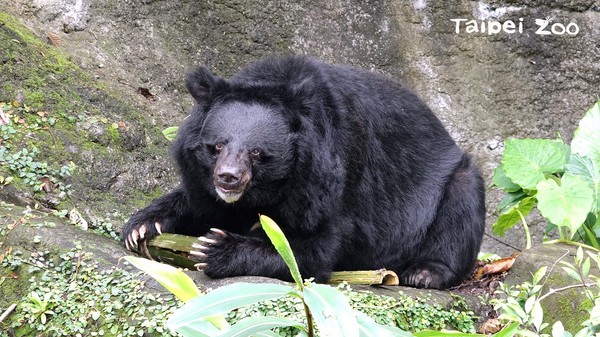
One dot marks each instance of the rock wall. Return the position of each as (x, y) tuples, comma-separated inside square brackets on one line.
[(485, 87)]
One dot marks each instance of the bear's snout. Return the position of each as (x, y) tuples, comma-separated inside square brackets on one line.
[(230, 178)]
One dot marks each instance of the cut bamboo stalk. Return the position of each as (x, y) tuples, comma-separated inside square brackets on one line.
[(366, 277), (174, 249)]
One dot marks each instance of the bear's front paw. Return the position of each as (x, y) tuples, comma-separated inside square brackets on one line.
[(215, 253), (136, 235)]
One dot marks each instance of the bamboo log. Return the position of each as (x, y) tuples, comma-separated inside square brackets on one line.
[(174, 249), (367, 277)]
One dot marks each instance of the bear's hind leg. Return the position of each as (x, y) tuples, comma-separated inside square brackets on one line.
[(451, 243)]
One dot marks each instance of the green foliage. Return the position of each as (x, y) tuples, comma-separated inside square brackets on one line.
[(326, 306), (562, 181), (19, 160), (521, 304), (70, 296), (22, 164), (411, 314)]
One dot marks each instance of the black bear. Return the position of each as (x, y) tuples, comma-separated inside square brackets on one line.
[(354, 168)]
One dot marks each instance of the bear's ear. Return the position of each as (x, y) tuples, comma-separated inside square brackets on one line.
[(203, 85)]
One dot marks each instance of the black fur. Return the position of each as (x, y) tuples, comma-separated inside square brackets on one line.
[(357, 171)]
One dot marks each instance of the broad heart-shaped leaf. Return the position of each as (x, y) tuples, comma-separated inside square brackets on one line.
[(567, 204), (513, 215), (282, 246), (331, 311), (586, 141), (225, 299), (257, 326), (501, 181), (585, 168), (369, 328), (175, 280), (527, 161)]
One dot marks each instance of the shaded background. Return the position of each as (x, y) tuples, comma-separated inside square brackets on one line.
[(485, 88)]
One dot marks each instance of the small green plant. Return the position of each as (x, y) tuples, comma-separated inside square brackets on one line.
[(38, 307), (71, 296), (562, 182), (16, 119), (22, 164), (521, 304)]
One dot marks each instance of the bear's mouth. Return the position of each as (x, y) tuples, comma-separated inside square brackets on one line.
[(229, 195)]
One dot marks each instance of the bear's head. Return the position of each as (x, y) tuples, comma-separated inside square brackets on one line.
[(235, 144)]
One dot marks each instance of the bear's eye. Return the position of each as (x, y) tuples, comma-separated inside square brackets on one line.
[(255, 153), (219, 147)]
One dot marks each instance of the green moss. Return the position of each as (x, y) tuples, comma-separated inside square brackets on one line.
[(85, 113), (112, 133)]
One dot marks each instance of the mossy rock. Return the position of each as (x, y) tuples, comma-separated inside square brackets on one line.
[(570, 306), (120, 157)]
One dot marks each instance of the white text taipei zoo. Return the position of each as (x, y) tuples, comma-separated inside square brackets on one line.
[(491, 27)]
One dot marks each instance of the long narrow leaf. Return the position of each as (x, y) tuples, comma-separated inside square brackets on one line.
[(175, 280), (225, 299), (326, 305), (369, 328), (508, 331), (282, 246), (434, 333), (198, 329), (255, 326)]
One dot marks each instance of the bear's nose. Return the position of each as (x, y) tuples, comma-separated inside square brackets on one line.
[(229, 175)]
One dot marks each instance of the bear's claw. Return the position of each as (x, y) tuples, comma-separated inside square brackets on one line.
[(138, 238), (201, 266)]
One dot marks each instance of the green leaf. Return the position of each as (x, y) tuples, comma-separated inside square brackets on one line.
[(331, 311), (586, 140), (585, 267), (537, 315), (572, 273), (585, 168), (369, 328), (282, 246), (434, 333), (579, 255), (529, 304), (500, 180), (565, 205), (170, 133), (175, 280), (197, 330), (510, 199), (513, 215), (252, 326), (558, 330), (539, 274), (225, 299), (528, 161)]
